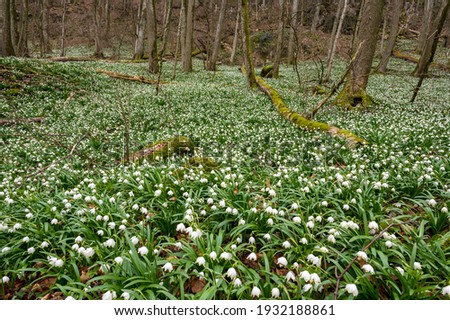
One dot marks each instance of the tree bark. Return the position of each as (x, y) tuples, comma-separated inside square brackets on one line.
[(316, 18), (8, 46), (292, 30), (395, 24), (426, 24), (248, 59), (140, 30), (279, 45), (153, 66), (236, 35), (354, 92), (13, 13), (187, 55), (46, 48), (63, 29), (97, 16), (335, 39), (2, 21), (211, 66)]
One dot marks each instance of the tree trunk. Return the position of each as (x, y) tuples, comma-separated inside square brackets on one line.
[(279, 45), (153, 66), (44, 26), (63, 29), (354, 92), (248, 59), (426, 24), (236, 35), (335, 40), (395, 24), (292, 30), (211, 66), (316, 18), (7, 44), (98, 15), (23, 37), (358, 23), (140, 30), (14, 39), (179, 40), (431, 43), (166, 27), (187, 55), (107, 22)]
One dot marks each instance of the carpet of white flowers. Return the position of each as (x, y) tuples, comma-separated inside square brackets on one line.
[(288, 214)]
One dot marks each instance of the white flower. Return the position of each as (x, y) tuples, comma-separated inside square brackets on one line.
[(286, 244), (231, 273), (125, 296), (444, 210), (110, 243), (109, 295), (275, 293), (225, 255), (44, 244), (157, 193), (294, 206), (100, 233), (55, 262), (282, 261), (6, 249), (362, 255), (417, 266), (69, 298), (307, 287), (118, 260), (78, 239), (200, 261), (373, 225), (305, 275), (310, 224), (233, 247), (213, 255), (168, 267), (256, 292), (267, 237), (351, 288), (270, 222), (368, 268), (237, 282), (26, 239), (446, 291), (251, 240), (272, 193), (252, 256), (400, 270), (331, 239), (346, 207), (89, 252), (389, 244), (304, 241), (432, 203), (290, 276), (143, 251), (297, 219), (134, 240), (315, 278), (31, 250), (5, 279), (54, 221), (324, 204), (330, 219)]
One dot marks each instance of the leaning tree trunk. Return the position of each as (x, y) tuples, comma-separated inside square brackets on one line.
[(395, 24), (292, 30), (187, 54), (211, 66), (335, 40), (153, 66), (426, 24), (236, 35), (279, 46), (248, 59), (140, 31), (354, 92)]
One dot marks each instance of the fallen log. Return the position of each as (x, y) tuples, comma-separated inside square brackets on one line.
[(403, 56), (303, 123), (164, 149), (122, 76), (6, 122)]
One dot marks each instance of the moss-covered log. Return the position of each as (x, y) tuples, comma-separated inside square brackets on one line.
[(303, 123), (403, 56), (130, 78), (267, 71), (163, 149)]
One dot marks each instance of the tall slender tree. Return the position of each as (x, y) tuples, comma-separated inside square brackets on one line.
[(153, 66), (292, 30), (248, 58), (426, 23), (140, 30), (7, 43), (279, 44), (187, 55), (211, 65), (236, 35), (354, 93)]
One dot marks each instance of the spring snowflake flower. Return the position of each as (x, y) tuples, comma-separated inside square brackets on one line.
[(55, 262), (225, 256), (352, 289), (446, 291), (157, 193), (69, 298), (26, 239), (89, 252), (444, 210), (134, 240), (307, 287), (305, 275), (297, 219), (109, 295), (324, 204), (388, 244), (286, 244), (432, 203), (362, 255), (267, 237), (290, 276), (315, 278), (237, 282), (100, 233), (125, 296), (118, 260), (417, 266), (213, 255), (78, 239), (256, 292), (31, 250), (282, 261), (110, 243), (143, 251), (275, 293), (303, 241), (54, 221), (346, 207), (168, 267), (270, 222), (294, 206), (231, 273), (252, 256), (44, 244), (368, 268), (400, 270), (251, 240), (200, 261), (272, 193), (5, 279), (331, 239)]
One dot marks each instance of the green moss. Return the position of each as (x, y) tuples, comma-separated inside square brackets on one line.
[(267, 71), (351, 100), (207, 163), (163, 149)]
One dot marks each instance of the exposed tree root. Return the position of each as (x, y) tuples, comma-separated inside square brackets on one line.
[(301, 121), (6, 122), (403, 56), (130, 78)]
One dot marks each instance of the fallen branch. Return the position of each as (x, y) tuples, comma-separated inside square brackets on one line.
[(403, 56), (301, 121), (339, 277), (128, 77), (6, 122)]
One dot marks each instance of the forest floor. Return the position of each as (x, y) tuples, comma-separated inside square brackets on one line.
[(287, 213)]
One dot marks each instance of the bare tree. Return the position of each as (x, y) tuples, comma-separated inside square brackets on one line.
[(63, 29), (187, 54), (397, 6), (211, 65), (354, 92), (279, 44), (292, 30), (426, 24), (316, 18), (7, 43), (97, 9), (248, 59), (46, 48), (236, 35), (140, 30), (153, 66)]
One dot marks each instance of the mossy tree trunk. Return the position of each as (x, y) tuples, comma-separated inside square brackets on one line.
[(153, 66), (354, 92), (397, 6), (248, 59)]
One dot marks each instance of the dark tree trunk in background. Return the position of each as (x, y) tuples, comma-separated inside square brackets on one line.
[(187, 55), (22, 45), (426, 24), (354, 92), (63, 29), (153, 66), (335, 37), (46, 48), (236, 35), (97, 9), (7, 44), (216, 46), (316, 18), (279, 45), (248, 59), (397, 6), (292, 30), (140, 30)]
